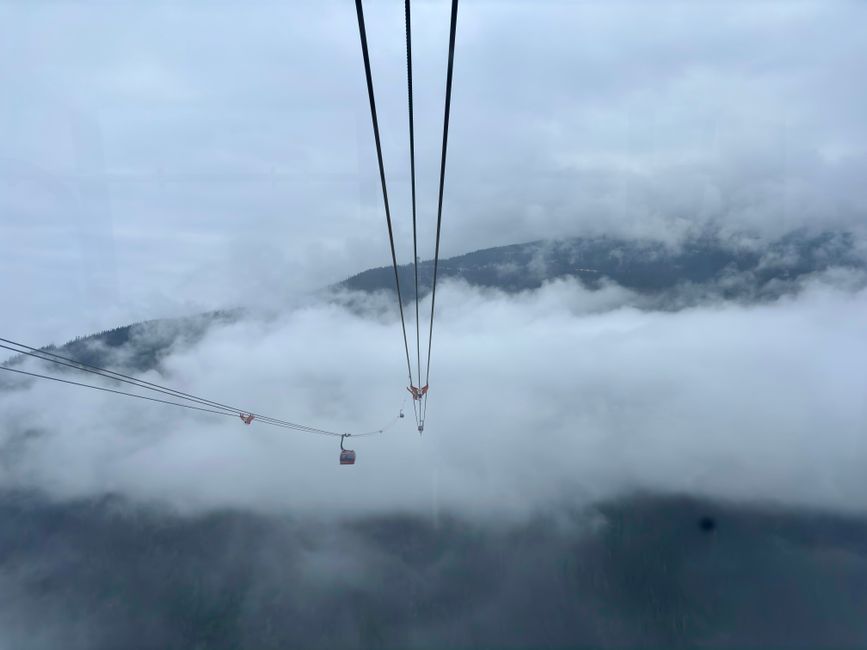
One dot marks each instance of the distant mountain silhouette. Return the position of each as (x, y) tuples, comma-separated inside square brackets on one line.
[(709, 266), (646, 267), (135, 347)]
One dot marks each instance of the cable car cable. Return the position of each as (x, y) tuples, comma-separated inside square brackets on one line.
[(321, 432), (108, 376), (141, 383), (407, 14), (117, 392), (363, 36), (452, 33)]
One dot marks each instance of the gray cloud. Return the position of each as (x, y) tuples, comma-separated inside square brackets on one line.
[(748, 402)]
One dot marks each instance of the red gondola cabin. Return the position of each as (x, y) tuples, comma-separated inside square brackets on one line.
[(347, 457)]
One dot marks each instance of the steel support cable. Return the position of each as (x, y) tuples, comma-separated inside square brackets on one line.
[(416, 413), (320, 432), (226, 410), (449, 73), (408, 14), (141, 383), (377, 431), (154, 399), (116, 392), (362, 32), (125, 381)]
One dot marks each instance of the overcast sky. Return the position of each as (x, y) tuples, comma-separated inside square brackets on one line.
[(163, 158)]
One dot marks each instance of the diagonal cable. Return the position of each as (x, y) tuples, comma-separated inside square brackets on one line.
[(408, 15), (218, 407), (51, 357), (452, 33), (362, 32)]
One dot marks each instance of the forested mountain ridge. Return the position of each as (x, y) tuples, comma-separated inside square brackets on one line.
[(698, 269), (643, 266)]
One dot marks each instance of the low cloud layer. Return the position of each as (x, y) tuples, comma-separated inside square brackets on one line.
[(169, 158), (557, 395)]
